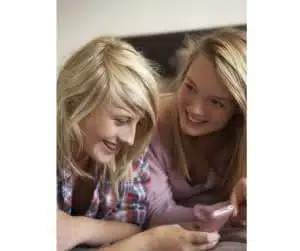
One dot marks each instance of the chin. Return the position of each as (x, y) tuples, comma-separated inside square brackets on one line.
[(102, 158), (195, 133), (192, 131)]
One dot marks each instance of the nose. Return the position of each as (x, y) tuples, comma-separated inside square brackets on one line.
[(196, 108), (128, 134)]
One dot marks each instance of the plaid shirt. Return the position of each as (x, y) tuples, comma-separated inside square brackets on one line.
[(130, 207)]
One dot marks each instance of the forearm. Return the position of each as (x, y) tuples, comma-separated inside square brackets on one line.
[(100, 232), (162, 207), (173, 214), (187, 216), (138, 242)]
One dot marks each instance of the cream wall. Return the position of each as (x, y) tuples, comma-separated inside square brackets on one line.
[(81, 20)]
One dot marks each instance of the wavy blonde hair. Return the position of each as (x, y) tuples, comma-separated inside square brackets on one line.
[(226, 48), (104, 70)]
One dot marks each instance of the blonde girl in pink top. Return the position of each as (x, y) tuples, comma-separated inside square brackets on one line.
[(198, 154)]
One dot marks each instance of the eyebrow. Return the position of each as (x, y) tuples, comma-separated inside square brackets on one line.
[(215, 97), (122, 112), (221, 98), (192, 81), (128, 113)]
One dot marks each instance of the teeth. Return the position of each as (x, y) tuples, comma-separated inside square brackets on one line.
[(194, 120), (110, 145)]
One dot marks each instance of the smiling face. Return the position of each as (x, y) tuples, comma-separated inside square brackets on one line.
[(106, 129), (205, 105)]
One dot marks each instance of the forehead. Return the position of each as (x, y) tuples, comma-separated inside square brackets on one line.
[(203, 74)]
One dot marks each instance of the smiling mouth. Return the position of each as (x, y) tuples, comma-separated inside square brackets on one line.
[(193, 120), (111, 146)]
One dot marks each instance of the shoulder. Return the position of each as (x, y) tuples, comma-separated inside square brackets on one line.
[(140, 168), (165, 113), (162, 138), (166, 105)]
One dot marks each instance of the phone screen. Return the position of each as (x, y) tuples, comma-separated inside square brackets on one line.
[(219, 217)]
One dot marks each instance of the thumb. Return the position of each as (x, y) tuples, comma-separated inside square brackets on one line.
[(200, 238), (206, 246), (234, 203)]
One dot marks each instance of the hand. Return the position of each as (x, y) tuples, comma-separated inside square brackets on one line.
[(175, 238), (67, 231), (238, 199), (207, 221), (240, 219), (166, 238)]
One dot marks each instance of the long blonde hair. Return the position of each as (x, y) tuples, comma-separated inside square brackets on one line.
[(104, 70), (226, 48)]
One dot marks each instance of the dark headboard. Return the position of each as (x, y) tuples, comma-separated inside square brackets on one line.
[(161, 48)]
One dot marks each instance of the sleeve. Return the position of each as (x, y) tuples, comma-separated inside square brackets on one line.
[(162, 207), (132, 205), (63, 192), (58, 190)]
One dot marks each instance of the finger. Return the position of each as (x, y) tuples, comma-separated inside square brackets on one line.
[(208, 246), (204, 246), (243, 189), (196, 237), (234, 203), (244, 182), (243, 223)]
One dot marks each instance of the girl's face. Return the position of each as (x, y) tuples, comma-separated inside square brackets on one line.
[(205, 105), (106, 130)]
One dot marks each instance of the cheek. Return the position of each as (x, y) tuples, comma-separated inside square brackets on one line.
[(95, 131), (89, 134), (221, 116), (104, 130), (182, 97)]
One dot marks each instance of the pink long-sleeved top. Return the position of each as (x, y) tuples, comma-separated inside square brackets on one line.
[(171, 198)]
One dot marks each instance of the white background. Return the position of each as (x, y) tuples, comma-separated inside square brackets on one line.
[(28, 140)]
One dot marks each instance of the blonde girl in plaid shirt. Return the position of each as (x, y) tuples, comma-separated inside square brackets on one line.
[(106, 112)]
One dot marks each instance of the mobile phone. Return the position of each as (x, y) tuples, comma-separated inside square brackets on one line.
[(219, 217), (223, 212)]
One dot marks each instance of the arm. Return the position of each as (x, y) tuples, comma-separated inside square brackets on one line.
[(75, 230), (167, 238), (139, 242), (162, 207), (99, 232)]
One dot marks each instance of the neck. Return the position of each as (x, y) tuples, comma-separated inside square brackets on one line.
[(86, 164), (206, 146)]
